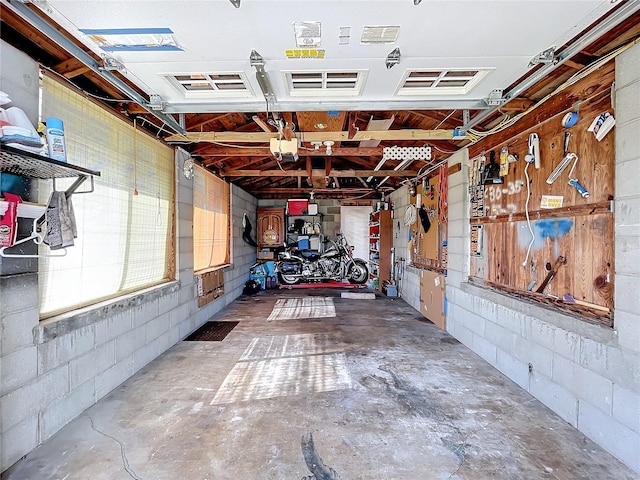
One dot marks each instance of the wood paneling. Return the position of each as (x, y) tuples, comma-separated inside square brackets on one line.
[(581, 231)]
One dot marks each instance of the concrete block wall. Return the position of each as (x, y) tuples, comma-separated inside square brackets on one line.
[(587, 374), (54, 370), (409, 276)]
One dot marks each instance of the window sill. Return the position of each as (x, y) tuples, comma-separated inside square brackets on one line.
[(599, 333), (68, 322), (212, 269)]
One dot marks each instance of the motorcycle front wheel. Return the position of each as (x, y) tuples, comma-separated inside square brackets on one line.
[(289, 279), (359, 272)]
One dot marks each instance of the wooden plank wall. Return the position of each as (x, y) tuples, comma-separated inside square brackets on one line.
[(581, 231)]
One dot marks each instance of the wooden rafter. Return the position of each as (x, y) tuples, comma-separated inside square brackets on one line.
[(311, 172), (208, 151), (264, 137)]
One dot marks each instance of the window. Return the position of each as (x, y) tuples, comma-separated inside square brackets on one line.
[(440, 82), (211, 221), (333, 83), (125, 227), (210, 85)]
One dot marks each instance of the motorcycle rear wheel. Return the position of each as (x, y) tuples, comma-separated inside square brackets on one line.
[(289, 279), (359, 272)]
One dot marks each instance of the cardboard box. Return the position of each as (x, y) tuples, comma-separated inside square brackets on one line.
[(265, 254), (432, 297)]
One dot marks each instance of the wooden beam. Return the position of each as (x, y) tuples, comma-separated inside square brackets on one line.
[(572, 211), (454, 169), (266, 152), (287, 132), (516, 105), (352, 125), (262, 124), (309, 173), (265, 137), (71, 68)]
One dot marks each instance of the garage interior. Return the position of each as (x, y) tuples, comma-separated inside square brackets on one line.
[(485, 175)]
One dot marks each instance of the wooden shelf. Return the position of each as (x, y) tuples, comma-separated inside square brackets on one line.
[(380, 229)]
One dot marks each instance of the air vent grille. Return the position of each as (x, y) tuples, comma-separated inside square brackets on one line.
[(379, 34)]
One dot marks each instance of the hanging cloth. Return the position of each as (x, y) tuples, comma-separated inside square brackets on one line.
[(424, 218), (61, 222), (246, 234)]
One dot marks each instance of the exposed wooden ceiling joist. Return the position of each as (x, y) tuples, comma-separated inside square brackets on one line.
[(265, 152), (264, 137), (305, 173)]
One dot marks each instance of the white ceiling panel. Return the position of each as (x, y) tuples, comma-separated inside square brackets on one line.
[(217, 37)]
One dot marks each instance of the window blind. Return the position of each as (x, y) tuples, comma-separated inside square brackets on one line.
[(211, 220), (126, 226)]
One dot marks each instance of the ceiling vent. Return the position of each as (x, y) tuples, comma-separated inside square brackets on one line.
[(440, 82), (379, 34), (325, 83), (211, 85)]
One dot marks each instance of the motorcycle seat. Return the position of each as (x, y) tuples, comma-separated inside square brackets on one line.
[(309, 254)]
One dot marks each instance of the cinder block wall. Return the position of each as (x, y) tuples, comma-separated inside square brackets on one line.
[(587, 374), (52, 371), (408, 276)]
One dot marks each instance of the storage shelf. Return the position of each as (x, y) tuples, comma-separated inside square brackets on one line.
[(30, 165)]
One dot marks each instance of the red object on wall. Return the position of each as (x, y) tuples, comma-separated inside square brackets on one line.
[(297, 207), (8, 219)]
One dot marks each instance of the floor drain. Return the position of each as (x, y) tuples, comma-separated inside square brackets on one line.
[(211, 332)]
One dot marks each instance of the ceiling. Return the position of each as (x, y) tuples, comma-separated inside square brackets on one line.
[(365, 75)]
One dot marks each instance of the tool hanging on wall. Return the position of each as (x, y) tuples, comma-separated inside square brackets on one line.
[(572, 181), (492, 170), (552, 273), (533, 156), (504, 161), (561, 166), (567, 137)]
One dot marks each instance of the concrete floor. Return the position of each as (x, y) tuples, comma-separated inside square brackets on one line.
[(384, 393)]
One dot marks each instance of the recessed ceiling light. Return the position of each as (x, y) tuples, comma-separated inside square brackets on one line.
[(320, 126)]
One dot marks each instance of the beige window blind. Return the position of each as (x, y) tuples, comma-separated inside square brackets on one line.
[(211, 220), (126, 226)]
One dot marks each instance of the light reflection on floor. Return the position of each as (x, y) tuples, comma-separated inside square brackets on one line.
[(283, 366), (297, 308)]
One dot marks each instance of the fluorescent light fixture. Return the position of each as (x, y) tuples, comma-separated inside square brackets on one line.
[(133, 39)]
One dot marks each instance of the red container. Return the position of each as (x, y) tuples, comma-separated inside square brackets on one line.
[(297, 206), (8, 225)]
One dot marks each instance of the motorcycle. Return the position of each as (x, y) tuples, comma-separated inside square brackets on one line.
[(336, 262)]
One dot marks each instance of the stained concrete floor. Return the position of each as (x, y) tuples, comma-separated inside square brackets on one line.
[(384, 393)]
